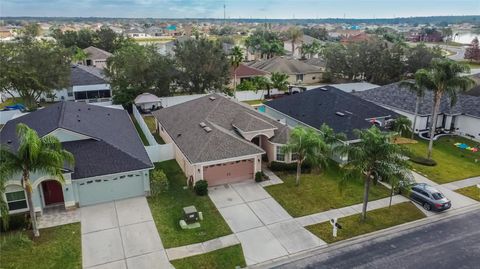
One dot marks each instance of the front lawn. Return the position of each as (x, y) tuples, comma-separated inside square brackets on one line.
[(471, 191), (225, 258), (167, 210), (319, 192), (57, 247), (452, 163), (376, 220)]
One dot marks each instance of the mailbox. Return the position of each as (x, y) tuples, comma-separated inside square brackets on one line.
[(190, 214)]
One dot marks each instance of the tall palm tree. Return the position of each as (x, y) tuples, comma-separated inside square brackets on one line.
[(444, 77), (236, 57), (34, 155), (308, 145), (419, 91), (279, 81), (294, 34), (373, 158)]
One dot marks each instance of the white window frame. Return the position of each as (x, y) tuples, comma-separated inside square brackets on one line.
[(279, 152), (17, 210)]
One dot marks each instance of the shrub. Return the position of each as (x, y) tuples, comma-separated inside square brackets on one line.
[(16, 222), (258, 176), (201, 187), (15, 240), (158, 182), (291, 167), (423, 161)]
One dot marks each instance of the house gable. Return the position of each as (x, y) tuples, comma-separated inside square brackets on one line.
[(65, 135)]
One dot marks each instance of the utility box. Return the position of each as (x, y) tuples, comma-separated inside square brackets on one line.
[(190, 214)]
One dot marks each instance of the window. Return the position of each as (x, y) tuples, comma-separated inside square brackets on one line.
[(299, 77), (16, 200), (280, 155)]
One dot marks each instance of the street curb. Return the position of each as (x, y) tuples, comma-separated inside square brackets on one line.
[(373, 236)]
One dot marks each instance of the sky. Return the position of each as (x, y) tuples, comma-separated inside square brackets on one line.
[(271, 9)]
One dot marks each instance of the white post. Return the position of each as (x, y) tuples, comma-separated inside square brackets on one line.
[(334, 225), (478, 186)]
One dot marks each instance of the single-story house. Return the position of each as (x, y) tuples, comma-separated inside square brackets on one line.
[(136, 33), (220, 140), (298, 72), (147, 101), (244, 72), (463, 118), (96, 57), (110, 160), (340, 110), (87, 84)]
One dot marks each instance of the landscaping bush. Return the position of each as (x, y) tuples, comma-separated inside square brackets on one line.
[(258, 176), (201, 187), (423, 161), (291, 167), (158, 182), (16, 222)]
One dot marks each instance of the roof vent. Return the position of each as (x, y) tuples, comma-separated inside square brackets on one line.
[(78, 120), (340, 114), (178, 135), (88, 108), (212, 98), (207, 129), (108, 114), (324, 89), (9, 142), (348, 112), (79, 109), (202, 124)]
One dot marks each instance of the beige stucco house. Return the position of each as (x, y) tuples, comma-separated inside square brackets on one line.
[(96, 57), (221, 140)]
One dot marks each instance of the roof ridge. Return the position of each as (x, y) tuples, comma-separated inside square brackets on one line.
[(61, 116)]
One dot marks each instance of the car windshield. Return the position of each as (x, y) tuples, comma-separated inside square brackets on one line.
[(437, 195)]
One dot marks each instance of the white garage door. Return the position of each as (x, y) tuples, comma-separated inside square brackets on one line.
[(223, 173), (106, 190)]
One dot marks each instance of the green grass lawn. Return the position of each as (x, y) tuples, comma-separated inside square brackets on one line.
[(452, 163), (58, 247), (376, 220), (225, 258), (150, 121), (471, 191), (253, 102), (319, 192), (139, 131), (167, 211)]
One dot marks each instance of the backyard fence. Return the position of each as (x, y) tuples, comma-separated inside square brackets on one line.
[(160, 153), (151, 140)]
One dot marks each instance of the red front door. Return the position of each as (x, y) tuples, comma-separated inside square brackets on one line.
[(52, 192)]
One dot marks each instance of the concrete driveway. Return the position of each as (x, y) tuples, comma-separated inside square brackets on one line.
[(121, 234), (265, 230)]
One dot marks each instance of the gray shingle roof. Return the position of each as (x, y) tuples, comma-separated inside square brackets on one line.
[(86, 75), (96, 53), (317, 106), (115, 145), (182, 123), (396, 96), (285, 65)]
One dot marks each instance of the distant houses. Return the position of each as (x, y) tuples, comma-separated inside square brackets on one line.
[(96, 57)]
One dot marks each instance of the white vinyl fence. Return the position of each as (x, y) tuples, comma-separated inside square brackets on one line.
[(151, 140)]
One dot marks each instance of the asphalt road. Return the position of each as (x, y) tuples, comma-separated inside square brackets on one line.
[(451, 244)]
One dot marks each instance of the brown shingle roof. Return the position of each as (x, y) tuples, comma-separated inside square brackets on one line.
[(247, 71)]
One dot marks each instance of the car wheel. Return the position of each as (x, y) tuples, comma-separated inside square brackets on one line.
[(427, 206)]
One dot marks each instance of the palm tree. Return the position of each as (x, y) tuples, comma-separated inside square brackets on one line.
[(279, 81), (419, 91), (262, 83), (236, 57), (443, 78), (294, 34), (34, 155), (402, 125), (372, 159), (308, 145)]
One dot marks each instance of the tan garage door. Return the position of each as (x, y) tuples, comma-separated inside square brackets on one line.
[(228, 172)]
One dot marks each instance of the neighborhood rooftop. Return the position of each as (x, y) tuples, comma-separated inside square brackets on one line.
[(86, 75), (106, 140), (96, 53), (284, 65), (399, 97), (342, 111), (206, 129)]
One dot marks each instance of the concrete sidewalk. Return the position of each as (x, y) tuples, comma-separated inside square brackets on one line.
[(121, 234), (265, 230), (462, 183)]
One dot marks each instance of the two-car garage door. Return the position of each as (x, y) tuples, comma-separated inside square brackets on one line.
[(228, 172), (109, 189)]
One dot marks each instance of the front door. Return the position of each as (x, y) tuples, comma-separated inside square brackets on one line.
[(52, 192)]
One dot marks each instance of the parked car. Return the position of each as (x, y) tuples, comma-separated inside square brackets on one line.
[(429, 197)]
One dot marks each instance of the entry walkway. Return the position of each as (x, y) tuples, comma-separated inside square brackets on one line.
[(121, 234), (265, 230)]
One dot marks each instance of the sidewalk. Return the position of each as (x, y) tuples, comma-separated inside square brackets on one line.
[(462, 183), (348, 210), (202, 248)]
